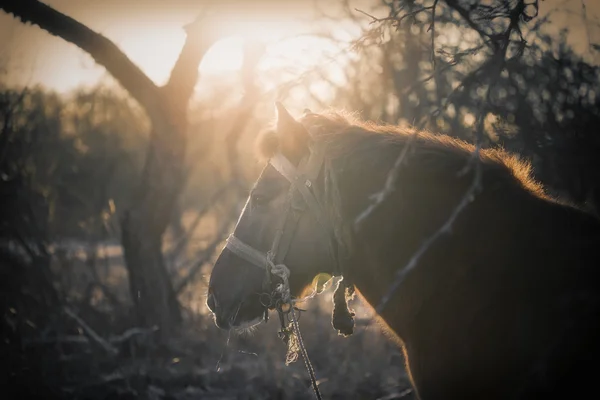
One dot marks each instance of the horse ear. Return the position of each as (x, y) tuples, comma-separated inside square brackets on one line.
[(293, 137)]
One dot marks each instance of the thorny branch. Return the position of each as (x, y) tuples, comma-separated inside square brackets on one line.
[(494, 65)]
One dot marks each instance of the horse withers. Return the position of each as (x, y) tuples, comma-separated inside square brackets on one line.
[(504, 306)]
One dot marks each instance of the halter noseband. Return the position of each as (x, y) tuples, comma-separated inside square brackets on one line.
[(301, 180)]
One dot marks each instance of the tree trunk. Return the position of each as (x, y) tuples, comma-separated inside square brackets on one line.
[(151, 290), (143, 227), (146, 220)]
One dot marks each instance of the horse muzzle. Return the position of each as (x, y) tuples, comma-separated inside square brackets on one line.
[(243, 314)]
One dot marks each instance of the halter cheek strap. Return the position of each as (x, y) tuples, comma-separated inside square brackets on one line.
[(301, 180)]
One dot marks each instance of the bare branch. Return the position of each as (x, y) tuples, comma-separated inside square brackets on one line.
[(587, 26), (252, 54), (129, 333), (446, 228), (204, 258), (432, 29), (465, 15), (494, 65), (389, 187), (184, 240), (184, 74), (52, 340), (373, 18), (397, 21), (91, 333), (102, 50)]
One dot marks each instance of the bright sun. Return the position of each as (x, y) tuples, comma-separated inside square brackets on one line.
[(287, 42), (299, 51), (155, 51)]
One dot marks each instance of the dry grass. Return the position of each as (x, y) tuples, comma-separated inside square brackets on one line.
[(199, 362)]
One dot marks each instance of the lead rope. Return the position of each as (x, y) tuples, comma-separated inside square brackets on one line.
[(283, 289), (307, 363)]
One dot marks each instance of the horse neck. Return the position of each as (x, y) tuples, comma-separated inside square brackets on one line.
[(386, 240)]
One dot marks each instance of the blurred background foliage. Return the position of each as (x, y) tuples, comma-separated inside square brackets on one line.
[(69, 162)]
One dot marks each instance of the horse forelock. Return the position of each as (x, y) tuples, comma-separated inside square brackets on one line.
[(318, 126), (267, 144)]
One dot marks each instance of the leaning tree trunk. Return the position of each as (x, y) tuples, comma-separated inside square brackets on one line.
[(145, 222), (142, 231), (147, 218)]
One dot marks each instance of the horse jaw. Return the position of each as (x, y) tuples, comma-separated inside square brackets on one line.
[(247, 325)]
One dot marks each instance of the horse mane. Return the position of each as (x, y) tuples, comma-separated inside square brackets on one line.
[(345, 133)]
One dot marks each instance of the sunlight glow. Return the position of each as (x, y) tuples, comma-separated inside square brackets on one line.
[(291, 49), (299, 52), (290, 56), (288, 45), (154, 50)]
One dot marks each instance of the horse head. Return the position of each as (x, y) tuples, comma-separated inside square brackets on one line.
[(282, 224)]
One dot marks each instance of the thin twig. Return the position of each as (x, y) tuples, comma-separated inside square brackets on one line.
[(59, 339), (394, 18), (587, 27), (389, 187), (185, 238), (496, 64), (373, 18), (91, 333), (204, 258), (253, 53), (129, 333), (446, 228), (432, 29)]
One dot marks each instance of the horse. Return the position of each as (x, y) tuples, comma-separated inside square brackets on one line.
[(504, 306)]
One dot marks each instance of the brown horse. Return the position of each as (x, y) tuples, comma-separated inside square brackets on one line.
[(506, 305)]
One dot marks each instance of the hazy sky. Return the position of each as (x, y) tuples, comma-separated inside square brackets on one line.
[(150, 33)]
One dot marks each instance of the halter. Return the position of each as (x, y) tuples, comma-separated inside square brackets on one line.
[(300, 198)]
